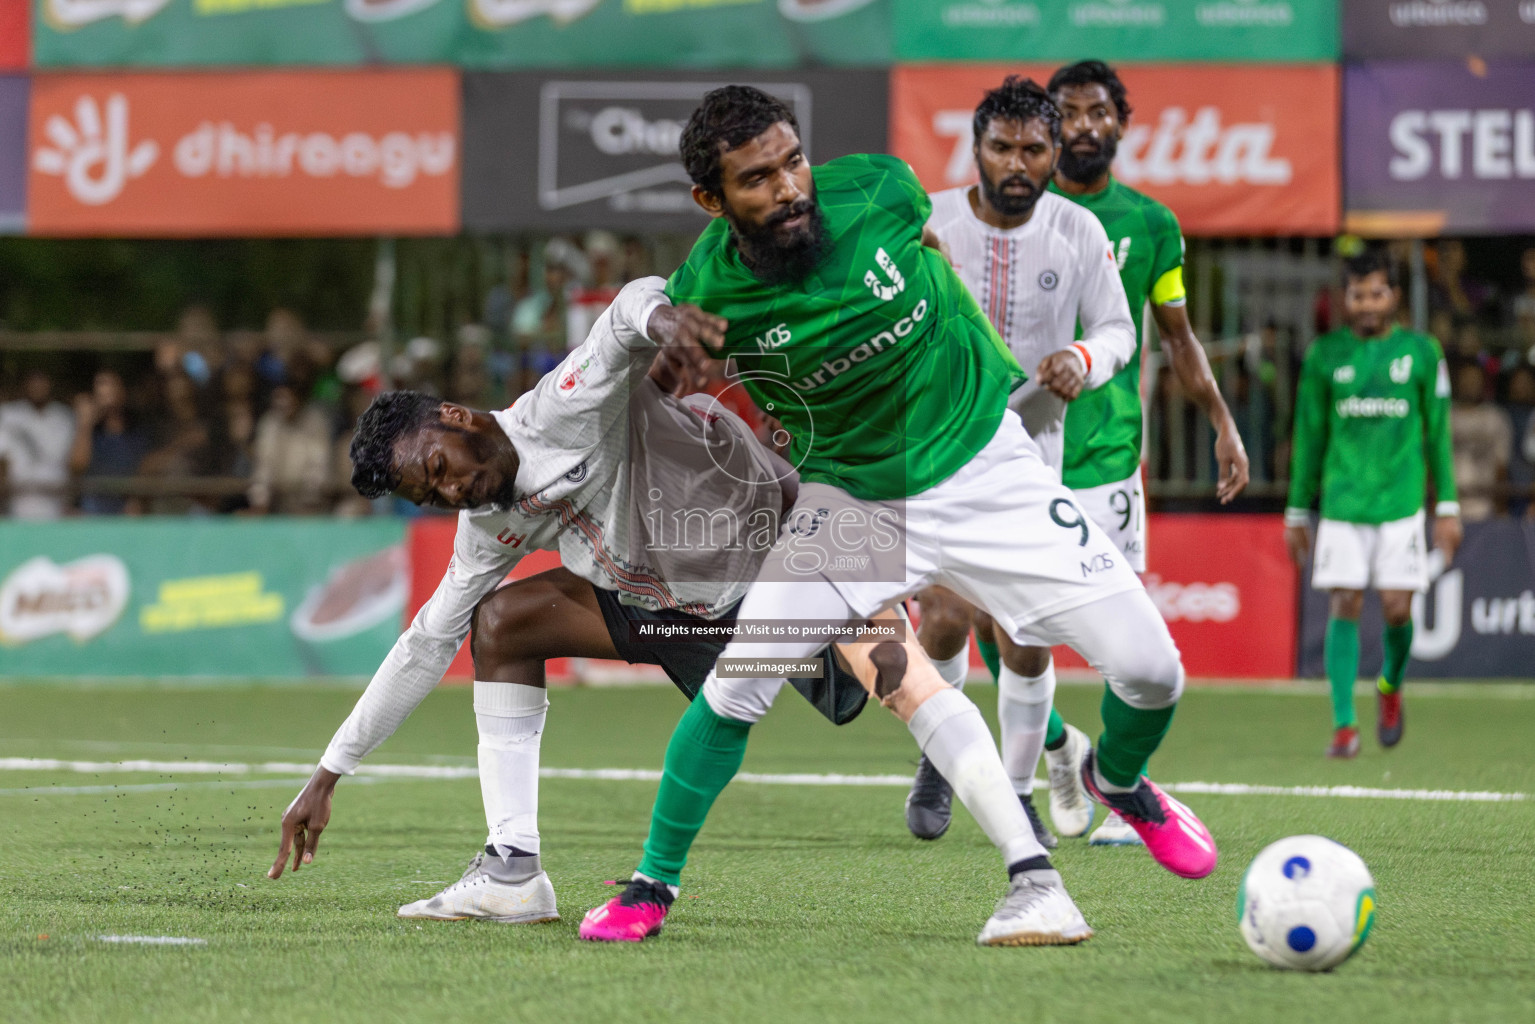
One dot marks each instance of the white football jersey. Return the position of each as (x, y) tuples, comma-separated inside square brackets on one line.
[(1035, 283)]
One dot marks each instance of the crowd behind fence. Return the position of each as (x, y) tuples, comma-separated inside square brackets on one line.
[(201, 420)]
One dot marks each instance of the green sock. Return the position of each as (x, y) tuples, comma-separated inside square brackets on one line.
[(703, 756), (1130, 737), (991, 656), (1341, 653), (1055, 731), (1398, 647)]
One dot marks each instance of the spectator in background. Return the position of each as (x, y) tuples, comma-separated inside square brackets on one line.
[(1483, 440), (588, 301), (637, 262), (1451, 290), (107, 443), (284, 339), (293, 460), (1521, 468), (36, 434), (354, 400), (182, 444), (201, 350), (538, 323), (1523, 306)]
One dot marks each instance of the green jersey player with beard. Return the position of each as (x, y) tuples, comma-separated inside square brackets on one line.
[(861, 340)]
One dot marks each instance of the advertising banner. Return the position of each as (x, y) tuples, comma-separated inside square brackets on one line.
[(274, 153), (1477, 620), (1435, 148), (1113, 30), (200, 597), (1438, 28), (1232, 149), (594, 150), (470, 33), (15, 34), (13, 153), (1226, 587)]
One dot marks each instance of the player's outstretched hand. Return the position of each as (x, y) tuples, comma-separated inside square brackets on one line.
[(1298, 540), (1447, 536), (1063, 373), (304, 820), (1232, 459), (689, 339)]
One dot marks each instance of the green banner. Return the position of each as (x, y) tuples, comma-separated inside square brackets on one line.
[(469, 33), (1116, 30), (200, 597)]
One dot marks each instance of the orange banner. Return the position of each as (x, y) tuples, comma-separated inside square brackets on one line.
[(1234, 150), (302, 153)]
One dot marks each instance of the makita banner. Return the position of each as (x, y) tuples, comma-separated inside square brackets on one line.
[(1455, 29), (594, 150), (1433, 148), (1477, 620), (13, 153), (1234, 150), (469, 33), (241, 153), (1211, 30), (1226, 587)]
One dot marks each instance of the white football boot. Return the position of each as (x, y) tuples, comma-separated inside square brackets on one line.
[(1070, 808), (1114, 831), (482, 898), (1035, 912)]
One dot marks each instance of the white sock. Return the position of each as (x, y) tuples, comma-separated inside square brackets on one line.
[(1023, 709), (953, 735), (954, 670), (510, 717)]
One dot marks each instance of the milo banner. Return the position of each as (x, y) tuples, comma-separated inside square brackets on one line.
[(1452, 29), (471, 33), (599, 150), (1436, 147), (1477, 620), (211, 597), (1115, 30)]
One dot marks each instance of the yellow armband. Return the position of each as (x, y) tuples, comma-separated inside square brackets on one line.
[(1168, 291)]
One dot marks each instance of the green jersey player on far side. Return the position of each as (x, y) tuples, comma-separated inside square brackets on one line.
[(1371, 421), (1103, 428)]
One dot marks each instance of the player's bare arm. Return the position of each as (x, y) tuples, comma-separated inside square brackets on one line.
[(689, 339), (1448, 534), (1298, 540), (1192, 366), (304, 820)]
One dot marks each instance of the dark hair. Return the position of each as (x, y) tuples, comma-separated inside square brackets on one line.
[(729, 116), (388, 418), (1373, 260), (1017, 99), (1094, 72)]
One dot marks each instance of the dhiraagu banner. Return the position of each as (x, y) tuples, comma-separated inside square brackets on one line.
[(216, 597)]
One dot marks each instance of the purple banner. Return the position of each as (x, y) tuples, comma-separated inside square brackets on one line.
[(1438, 28), (13, 153), (1433, 148)]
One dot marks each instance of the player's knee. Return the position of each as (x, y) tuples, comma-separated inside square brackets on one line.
[(745, 700), (1149, 677), (945, 626), (1017, 687), (498, 622), (1346, 604), (1026, 661), (1396, 607)]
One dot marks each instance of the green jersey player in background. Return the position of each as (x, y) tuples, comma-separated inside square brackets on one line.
[(1372, 420), (893, 386), (1103, 427)]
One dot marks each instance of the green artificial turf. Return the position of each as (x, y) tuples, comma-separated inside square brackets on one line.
[(800, 903)]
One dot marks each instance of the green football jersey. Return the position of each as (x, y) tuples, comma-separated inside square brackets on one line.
[(879, 364), (1103, 426), (1364, 413)]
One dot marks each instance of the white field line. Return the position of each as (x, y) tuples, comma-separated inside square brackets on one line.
[(152, 940), (377, 772)]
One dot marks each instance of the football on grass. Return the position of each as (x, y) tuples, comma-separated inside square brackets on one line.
[(1306, 903)]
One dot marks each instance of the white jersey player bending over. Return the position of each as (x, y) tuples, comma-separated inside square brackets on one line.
[(1038, 265)]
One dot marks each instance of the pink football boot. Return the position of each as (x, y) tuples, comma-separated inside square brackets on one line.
[(632, 917), (1174, 836)]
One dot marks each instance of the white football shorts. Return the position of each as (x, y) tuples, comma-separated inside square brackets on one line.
[(1385, 556)]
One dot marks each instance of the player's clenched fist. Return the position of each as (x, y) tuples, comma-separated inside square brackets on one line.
[(689, 339), (1062, 372), (304, 820)]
